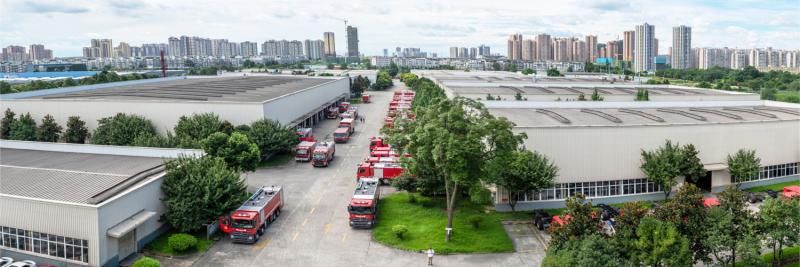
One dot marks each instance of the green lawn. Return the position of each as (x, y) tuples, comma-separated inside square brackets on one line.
[(161, 245), (426, 221), (277, 160), (775, 187), (355, 100), (788, 253)]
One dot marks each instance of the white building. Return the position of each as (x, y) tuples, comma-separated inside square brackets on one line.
[(644, 48), (681, 47), (314, 49)]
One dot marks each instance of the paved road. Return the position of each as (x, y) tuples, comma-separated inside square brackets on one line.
[(313, 229)]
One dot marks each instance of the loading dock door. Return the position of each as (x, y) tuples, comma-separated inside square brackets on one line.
[(127, 245)]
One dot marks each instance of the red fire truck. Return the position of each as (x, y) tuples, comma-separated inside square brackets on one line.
[(382, 171), (348, 123), (363, 208), (250, 220), (384, 159), (341, 135), (302, 151), (305, 134), (332, 113), (323, 154), (382, 153), (365, 98), (343, 106), (376, 142)]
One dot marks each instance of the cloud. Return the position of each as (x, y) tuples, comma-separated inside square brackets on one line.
[(127, 4), (610, 5), (53, 7)]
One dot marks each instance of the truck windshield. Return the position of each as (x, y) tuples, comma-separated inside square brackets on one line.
[(247, 224), (302, 152), (339, 134), (319, 156), (360, 210)]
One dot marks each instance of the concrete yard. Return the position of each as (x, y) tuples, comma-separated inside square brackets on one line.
[(313, 229)]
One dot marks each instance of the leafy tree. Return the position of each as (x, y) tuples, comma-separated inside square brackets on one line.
[(489, 97), (49, 130), (743, 165), (581, 223), (528, 71), (642, 95), (769, 93), (518, 96), (271, 137), (581, 97), (153, 140), (5, 124), (122, 129), (330, 66), (704, 85), (780, 219), (248, 64), (237, 151), (393, 70), (660, 244), (662, 166), (512, 67), (596, 96), (383, 81), (592, 250), (359, 85), (5, 88), (191, 130), (691, 167), (496, 66), (553, 73), (76, 130), (198, 190), (731, 230), (625, 225), (687, 213), (23, 128), (525, 172)]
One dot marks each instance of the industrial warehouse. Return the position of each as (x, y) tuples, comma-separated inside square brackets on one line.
[(290, 100), (75, 205)]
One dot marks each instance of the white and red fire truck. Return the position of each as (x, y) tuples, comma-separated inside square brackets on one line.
[(363, 208), (249, 222)]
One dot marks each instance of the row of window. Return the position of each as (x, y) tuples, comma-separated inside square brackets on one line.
[(47, 244), (593, 189), (775, 171)]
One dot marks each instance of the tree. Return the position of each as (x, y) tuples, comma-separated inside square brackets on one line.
[(330, 66), (496, 66), (731, 230), (660, 244), (76, 131), (768, 93), (271, 137), (489, 97), (198, 190), (581, 97), (687, 213), (780, 219), (49, 130), (596, 96), (512, 67), (23, 128), (581, 223), (743, 165), (153, 140), (359, 85), (553, 72), (393, 70), (237, 150), (525, 172), (122, 129), (5, 88), (190, 131), (662, 166), (593, 250), (528, 71), (5, 124), (518, 96), (383, 81), (691, 167)]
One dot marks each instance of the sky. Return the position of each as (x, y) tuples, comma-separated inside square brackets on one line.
[(68, 25)]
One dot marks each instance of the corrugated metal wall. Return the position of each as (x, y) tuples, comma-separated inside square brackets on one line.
[(292, 107)]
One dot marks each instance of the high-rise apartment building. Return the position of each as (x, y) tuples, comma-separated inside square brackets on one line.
[(580, 52), (628, 44), (282, 48), (528, 50), (681, 47), (714, 57), (463, 52), (591, 47), (102, 48), (561, 50), (219, 48), (175, 47), (644, 51), (614, 49), (515, 47), (352, 43), (314, 49), (36, 52), (473, 52), (453, 52), (385, 52), (249, 49), (123, 50), (484, 50), (330, 44), (758, 58), (154, 50), (14, 53), (655, 46), (544, 50)]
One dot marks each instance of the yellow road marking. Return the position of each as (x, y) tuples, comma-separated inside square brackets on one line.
[(327, 228), (344, 237), (312, 210), (295, 235), (263, 244), (305, 221)]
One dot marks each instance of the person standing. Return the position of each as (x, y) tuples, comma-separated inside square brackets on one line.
[(430, 256)]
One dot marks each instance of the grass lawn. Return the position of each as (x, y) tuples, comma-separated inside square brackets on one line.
[(276, 160), (426, 221), (788, 253), (355, 100), (161, 245), (776, 187)]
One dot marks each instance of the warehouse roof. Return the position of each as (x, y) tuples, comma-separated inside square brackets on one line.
[(83, 178), (580, 89), (623, 116), (225, 89)]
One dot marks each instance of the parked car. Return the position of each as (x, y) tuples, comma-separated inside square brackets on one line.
[(771, 193), (6, 261), (25, 263), (754, 197), (541, 220), (607, 212)]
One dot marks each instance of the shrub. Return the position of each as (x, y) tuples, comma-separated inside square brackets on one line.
[(399, 230), (475, 221), (146, 262), (181, 242), (412, 198)]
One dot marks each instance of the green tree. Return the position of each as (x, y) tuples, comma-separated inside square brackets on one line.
[(512, 67), (49, 130), (592, 250), (191, 130), (122, 129), (271, 137), (331, 66), (690, 166), (687, 213), (596, 96), (5, 88), (780, 219), (383, 81), (359, 85), (731, 230), (553, 73), (198, 190), (5, 124), (660, 244), (581, 97), (237, 150), (393, 70), (581, 223), (496, 66), (768, 93), (528, 71), (76, 130), (23, 128), (518, 96), (525, 172), (662, 166), (153, 140), (743, 165)]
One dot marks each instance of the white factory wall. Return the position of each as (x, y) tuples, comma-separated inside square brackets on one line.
[(290, 107), (76, 221), (164, 114), (609, 153), (123, 206)]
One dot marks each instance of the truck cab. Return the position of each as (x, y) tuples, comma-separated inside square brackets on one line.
[(376, 142), (350, 123), (332, 113), (249, 222), (365, 98), (303, 150), (341, 135), (343, 106), (305, 134), (323, 154), (363, 208)]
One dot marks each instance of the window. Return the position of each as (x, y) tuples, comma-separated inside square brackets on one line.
[(47, 244), (774, 171)]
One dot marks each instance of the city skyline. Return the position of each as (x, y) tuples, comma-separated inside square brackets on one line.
[(65, 27)]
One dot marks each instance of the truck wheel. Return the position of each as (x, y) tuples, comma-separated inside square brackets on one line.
[(278, 212)]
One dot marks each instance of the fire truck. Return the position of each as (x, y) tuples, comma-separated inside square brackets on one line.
[(343, 106), (379, 159), (305, 134), (382, 171), (353, 110), (365, 98), (382, 153), (302, 151), (376, 142), (332, 113), (363, 208), (323, 154), (250, 221), (348, 123), (341, 135)]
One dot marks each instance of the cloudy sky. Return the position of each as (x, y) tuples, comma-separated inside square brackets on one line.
[(67, 25)]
